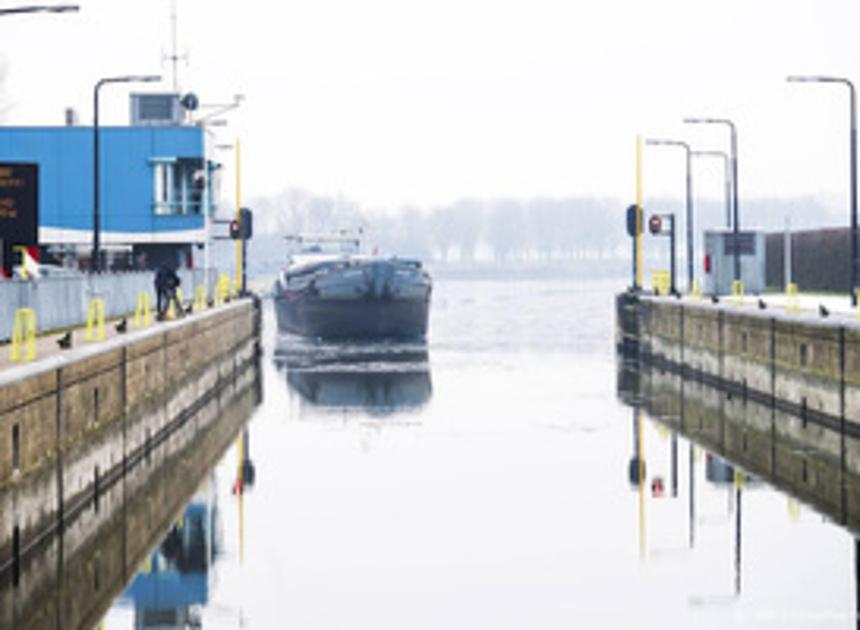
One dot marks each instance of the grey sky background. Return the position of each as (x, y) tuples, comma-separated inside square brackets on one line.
[(392, 102)]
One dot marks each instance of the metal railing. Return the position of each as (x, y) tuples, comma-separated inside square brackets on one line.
[(63, 302)]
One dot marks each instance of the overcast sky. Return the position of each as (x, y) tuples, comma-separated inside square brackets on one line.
[(392, 102)]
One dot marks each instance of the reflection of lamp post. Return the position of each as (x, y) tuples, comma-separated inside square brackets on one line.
[(735, 209), (686, 147), (726, 176), (852, 112), (96, 263)]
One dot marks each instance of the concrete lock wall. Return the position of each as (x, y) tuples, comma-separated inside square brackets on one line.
[(61, 302), (806, 365), (74, 579), (72, 423)]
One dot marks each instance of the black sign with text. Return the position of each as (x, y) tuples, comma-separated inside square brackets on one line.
[(19, 203)]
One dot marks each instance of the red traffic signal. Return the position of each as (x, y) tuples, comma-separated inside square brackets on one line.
[(235, 229), (655, 224)]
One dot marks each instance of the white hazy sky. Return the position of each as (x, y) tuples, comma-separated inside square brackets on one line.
[(395, 101)]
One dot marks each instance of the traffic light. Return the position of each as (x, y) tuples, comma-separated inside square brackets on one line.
[(235, 229), (655, 224), (634, 220), (246, 217)]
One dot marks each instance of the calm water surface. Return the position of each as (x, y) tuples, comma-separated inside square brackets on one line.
[(482, 481)]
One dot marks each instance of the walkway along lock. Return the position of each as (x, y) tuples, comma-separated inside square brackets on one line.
[(24, 333), (142, 313), (656, 227), (95, 319)]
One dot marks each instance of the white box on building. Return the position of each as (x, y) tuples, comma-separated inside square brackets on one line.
[(718, 261)]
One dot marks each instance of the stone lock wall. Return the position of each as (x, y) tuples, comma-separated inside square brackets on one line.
[(71, 424)]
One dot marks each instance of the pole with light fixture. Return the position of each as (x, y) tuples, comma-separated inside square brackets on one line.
[(687, 151), (735, 208), (852, 112), (96, 261)]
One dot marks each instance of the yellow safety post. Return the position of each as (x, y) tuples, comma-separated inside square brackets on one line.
[(95, 320), (199, 298), (737, 293), (697, 289), (171, 308), (740, 480), (23, 250), (24, 333), (142, 314), (660, 282), (792, 300)]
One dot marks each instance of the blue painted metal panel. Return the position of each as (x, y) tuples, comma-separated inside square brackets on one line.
[(65, 158)]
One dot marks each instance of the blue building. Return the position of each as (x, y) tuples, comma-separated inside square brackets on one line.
[(155, 189)]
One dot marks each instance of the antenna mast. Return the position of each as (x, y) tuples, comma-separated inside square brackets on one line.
[(174, 57)]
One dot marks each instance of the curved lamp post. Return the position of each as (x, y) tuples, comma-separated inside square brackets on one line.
[(726, 176), (96, 263), (735, 209), (686, 147), (57, 8), (852, 112)]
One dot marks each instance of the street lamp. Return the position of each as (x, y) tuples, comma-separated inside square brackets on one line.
[(726, 177), (735, 209), (96, 264), (58, 8), (686, 147), (852, 112)]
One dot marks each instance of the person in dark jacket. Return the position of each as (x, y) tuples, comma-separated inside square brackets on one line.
[(166, 283)]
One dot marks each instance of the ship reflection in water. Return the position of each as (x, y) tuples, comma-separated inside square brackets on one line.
[(380, 378)]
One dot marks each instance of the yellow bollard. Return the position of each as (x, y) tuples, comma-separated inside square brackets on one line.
[(171, 309), (696, 292), (142, 312), (737, 293), (660, 282), (222, 289), (792, 300), (24, 332), (199, 299), (95, 320)]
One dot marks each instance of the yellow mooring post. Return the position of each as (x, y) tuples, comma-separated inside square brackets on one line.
[(171, 308), (639, 213), (792, 300), (239, 260), (697, 289), (142, 314), (199, 299), (661, 282), (24, 333), (95, 320), (737, 293)]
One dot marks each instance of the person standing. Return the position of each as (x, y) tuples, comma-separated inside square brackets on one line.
[(166, 283)]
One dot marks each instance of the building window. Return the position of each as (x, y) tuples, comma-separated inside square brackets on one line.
[(179, 186)]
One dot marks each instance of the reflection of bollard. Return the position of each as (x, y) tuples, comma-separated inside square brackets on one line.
[(24, 333), (737, 293), (792, 300), (199, 299), (95, 319)]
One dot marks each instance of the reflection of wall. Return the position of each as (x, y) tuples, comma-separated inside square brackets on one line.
[(72, 579), (800, 457)]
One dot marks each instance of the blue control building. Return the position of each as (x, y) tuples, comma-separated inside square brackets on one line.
[(155, 187)]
